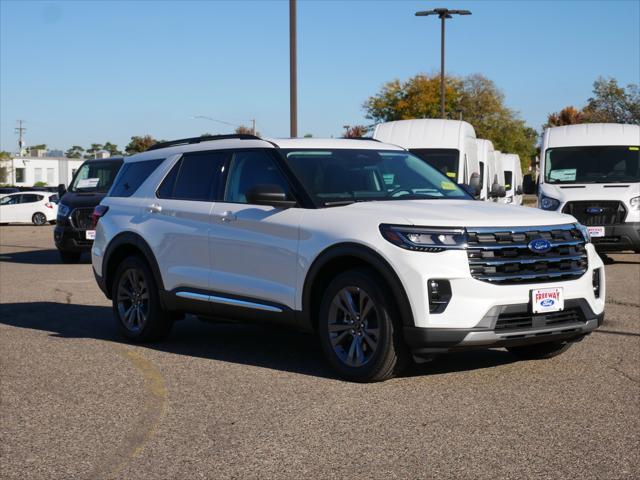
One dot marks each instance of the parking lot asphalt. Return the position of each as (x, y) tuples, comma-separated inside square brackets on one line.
[(251, 401)]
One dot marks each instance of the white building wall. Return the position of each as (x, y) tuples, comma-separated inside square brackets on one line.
[(52, 171)]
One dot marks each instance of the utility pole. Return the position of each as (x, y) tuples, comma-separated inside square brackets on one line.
[(443, 14), (293, 72), (20, 131)]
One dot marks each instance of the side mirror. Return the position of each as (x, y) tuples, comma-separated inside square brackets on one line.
[(528, 185), (519, 190), (271, 195), (472, 190), (61, 190)]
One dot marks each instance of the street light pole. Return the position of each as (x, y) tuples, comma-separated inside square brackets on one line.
[(443, 14), (293, 73)]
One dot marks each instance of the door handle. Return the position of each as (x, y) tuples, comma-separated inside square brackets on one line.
[(154, 208), (228, 217)]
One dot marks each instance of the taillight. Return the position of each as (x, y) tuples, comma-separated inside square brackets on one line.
[(98, 212), (48, 205)]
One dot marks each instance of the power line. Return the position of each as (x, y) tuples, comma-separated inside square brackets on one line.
[(20, 131)]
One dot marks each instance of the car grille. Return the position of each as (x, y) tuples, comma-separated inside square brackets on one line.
[(522, 320), (502, 255), (602, 212), (81, 219)]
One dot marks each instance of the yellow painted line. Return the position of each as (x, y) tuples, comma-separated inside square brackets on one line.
[(148, 419)]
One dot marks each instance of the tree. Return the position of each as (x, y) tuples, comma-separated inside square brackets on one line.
[(475, 99), (93, 150), (567, 116), (244, 130), (40, 146), (139, 144), (355, 131), (308, 135), (74, 152), (112, 148)]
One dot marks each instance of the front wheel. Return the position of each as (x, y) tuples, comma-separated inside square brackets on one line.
[(136, 303), (539, 351), (360, 329), (39, 219)]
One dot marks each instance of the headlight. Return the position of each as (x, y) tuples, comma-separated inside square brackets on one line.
[(548, 203), (585, 232), (63, 210), (425, 239), (635, 203)]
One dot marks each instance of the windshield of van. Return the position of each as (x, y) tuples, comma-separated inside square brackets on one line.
[(338, 177), (617, 164), (446, 160), (95, 177)]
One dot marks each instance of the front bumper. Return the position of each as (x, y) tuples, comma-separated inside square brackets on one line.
[(425, 341), (70, 239), (623, 236)]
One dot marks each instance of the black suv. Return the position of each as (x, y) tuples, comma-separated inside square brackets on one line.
[(74, 231)]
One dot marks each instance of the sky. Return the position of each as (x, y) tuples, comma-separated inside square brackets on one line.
[(82, 72)]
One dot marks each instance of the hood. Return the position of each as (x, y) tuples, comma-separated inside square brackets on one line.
[(79, 200), (592, 191), (458, 213)]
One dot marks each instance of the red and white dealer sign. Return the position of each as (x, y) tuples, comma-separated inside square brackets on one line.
[(547, 300)]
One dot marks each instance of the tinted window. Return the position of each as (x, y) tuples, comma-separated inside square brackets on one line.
[(30, 198), (593, 164), (95, 176), (481, 174), (131, 176), (444, 159), (10, 200), (508, 177), (248, 169), (195, 177)]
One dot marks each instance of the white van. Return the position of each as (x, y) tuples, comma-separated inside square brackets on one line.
[(490, 188), (448, 145), (512, 178), (498, 176), (592, 171)]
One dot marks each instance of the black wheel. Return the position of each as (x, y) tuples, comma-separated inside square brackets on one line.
[(39, 219), (136, 303), (69, 256), (539, 351), (360, 329)]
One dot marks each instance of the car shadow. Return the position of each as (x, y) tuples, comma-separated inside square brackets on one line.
[(37, 257), (260, 345)]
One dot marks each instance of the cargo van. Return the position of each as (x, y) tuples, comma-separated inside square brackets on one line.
[(490, 189), (592, 171), (498, 177), (448, 145), (512, 179)]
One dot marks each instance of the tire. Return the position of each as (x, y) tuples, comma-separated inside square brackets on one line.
[(539, 351), (39, 219), (137, 310), (67, 256), (367, 349)]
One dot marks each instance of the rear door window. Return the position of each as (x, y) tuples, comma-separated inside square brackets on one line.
[(31, 198), (131, 176), (195, 177)]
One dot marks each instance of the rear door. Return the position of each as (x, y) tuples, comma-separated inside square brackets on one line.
[(176, 222), (254, 247), (10, 208)]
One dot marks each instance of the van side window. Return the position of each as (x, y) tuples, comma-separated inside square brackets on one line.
[(248, 169), (131, 176), (195, 177), (481, 174)]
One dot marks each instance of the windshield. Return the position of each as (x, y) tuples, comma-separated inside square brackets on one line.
[(446, 160), (95, 177), (338, 177), (593, 164)]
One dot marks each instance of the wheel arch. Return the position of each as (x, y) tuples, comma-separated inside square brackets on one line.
[(122, 246), (339, 258)]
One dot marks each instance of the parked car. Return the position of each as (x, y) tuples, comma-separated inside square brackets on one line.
[(361, 242), (592, 171), (448, 145), (74, 232), (512, 178), (34, 207)]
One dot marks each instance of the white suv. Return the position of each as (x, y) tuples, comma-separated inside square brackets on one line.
[(362, 242)]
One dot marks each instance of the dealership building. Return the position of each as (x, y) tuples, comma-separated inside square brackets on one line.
[(27, 171)]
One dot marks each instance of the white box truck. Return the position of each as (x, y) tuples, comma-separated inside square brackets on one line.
[(512, 178), (490, 189), (592, 171), (448, 145)]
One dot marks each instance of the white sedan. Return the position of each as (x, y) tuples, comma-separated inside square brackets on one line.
[(38, 208)]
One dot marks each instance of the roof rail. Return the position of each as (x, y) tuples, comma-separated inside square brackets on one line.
[(204, 138)]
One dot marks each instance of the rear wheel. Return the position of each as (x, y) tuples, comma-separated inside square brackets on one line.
[(69, 256), (539, 351), (360, 329), (39, 219), (136, 303)]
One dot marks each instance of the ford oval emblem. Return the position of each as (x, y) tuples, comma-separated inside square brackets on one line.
[(594, 210), (547, 302), (539, 245)]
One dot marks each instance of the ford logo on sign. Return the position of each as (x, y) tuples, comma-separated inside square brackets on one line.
[(547, 302), (594, 210), (539, 245)]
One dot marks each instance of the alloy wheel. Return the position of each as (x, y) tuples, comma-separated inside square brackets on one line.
[(133, 300)]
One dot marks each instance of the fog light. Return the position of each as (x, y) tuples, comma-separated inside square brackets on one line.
[(439, 295), (596, 282)]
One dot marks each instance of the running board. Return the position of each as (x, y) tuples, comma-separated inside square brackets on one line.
[(228, 301)]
